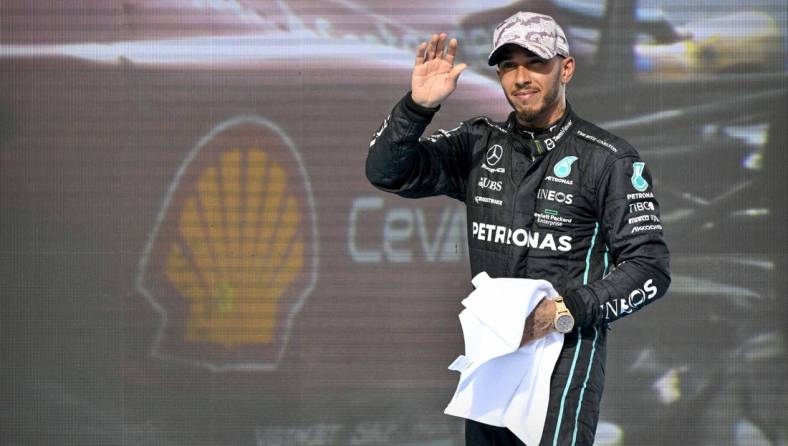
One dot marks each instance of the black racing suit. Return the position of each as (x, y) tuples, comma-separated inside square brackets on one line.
[(571, 204)]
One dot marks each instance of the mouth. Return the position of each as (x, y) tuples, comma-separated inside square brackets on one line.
[(525, 95)]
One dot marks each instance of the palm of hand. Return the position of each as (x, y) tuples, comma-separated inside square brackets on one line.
[(431, 82), (434, 74)]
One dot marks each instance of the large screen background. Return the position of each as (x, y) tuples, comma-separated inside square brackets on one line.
[(191, 254)]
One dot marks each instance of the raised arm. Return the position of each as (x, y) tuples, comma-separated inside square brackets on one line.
[(402, 162)]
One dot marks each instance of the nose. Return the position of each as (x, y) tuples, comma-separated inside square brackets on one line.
[(522, 76)]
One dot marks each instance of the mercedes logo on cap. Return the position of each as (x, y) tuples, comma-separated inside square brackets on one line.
[(494, 155)]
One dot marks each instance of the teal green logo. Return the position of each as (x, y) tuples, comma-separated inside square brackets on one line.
[(563, 168), (551, 212), (638, 181)]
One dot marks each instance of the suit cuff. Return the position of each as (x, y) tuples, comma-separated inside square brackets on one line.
[(576, 306), (416, 111)]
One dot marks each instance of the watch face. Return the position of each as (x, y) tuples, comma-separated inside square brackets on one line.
[(564, 323)]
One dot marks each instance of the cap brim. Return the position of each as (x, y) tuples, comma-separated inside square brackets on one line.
[(496, 54)]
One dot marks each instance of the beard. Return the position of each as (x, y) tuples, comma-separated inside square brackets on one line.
[(548, 101)]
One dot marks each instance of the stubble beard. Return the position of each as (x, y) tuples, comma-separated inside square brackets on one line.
[(529, 118)]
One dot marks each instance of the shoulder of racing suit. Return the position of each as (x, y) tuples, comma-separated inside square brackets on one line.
[(477, 126), (598, 137), (403, 161), (606, 148)]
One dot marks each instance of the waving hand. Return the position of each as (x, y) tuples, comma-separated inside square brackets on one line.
[(435, 75)]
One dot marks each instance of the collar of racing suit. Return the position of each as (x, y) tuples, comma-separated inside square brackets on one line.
[(540, 141)]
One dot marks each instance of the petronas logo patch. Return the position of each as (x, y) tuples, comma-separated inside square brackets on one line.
[(233, 255), (563, 168), (638, 182)]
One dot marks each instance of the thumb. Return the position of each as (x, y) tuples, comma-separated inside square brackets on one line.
[(455, 72)]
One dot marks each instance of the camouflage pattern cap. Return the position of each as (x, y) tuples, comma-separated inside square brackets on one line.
[(536, 32)]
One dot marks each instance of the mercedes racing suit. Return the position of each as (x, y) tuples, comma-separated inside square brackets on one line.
[(572, 204)]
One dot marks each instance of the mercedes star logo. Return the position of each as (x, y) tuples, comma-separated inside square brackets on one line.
[(494, 155)]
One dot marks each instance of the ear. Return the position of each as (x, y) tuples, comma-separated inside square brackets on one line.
[(567, 69), (498, 72)]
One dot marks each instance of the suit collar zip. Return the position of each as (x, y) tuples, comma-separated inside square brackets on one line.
[(538, 142)]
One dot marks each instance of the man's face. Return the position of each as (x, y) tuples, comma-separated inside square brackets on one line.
[(533, 86)]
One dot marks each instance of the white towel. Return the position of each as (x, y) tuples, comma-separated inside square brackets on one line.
[(502, 384)]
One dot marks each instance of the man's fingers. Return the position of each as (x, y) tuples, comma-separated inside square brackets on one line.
[(452, 51), (440, 46), (421, 51), (431, 47)]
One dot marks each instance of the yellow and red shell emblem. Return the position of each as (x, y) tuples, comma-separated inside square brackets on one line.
[(233, 254)]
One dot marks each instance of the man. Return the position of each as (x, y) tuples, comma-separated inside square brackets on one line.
[(548, 196)]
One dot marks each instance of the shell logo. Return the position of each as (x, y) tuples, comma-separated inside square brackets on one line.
[(233, 254)]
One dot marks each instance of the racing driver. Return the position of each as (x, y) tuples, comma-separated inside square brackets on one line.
[(548, 196)]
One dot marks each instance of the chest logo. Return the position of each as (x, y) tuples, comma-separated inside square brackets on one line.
[(640, 184), (494, 155), (563, 168)]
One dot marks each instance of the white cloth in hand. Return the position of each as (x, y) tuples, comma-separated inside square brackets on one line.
[(501, 383)]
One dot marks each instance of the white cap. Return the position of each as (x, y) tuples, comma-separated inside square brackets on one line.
[(538, 33)]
